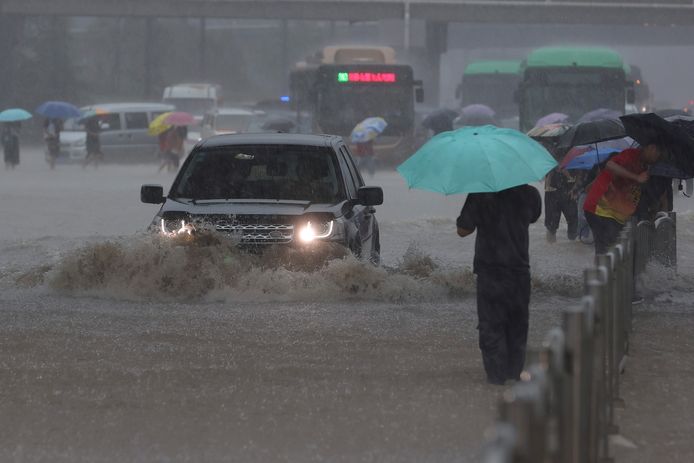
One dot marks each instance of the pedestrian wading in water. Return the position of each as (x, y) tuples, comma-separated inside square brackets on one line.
[(10, 143), (502, 267), (614, 195)]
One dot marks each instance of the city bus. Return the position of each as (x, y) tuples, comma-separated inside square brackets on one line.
[(572, 81), (491, 83), (342, 86)]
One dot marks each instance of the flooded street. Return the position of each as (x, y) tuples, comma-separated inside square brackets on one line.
[(100, 362)]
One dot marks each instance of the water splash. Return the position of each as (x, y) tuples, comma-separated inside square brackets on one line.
[(157, 269)]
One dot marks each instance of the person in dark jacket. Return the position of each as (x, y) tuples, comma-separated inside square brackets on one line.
[(94, 154), (561, 197), (502, 266), (10, 144)]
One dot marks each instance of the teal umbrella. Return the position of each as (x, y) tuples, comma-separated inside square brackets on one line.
[(14, 115), (476, 160)]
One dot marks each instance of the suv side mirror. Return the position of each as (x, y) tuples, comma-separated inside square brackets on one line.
[(370, 196), (152, 194)]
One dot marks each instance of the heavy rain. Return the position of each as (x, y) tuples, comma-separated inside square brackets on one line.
[(423, 230)]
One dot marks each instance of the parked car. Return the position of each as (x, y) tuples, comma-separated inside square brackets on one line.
[(272, 189), (124, 136)]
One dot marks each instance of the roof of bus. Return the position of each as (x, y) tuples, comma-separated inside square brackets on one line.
[(575, 56), (492, 67)]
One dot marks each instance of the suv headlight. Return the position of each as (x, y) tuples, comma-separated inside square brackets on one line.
[(312, 231), (175, 227)]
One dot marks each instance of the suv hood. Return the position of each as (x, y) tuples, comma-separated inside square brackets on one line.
[(250, 207)]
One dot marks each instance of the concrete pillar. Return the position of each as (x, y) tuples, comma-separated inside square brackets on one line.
[(202, 50), (57, 82), (436, 44), (148, 57), (284, 47), (11, 29), (117, 58)]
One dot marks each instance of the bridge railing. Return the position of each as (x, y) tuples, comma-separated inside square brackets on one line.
[(563, 410)]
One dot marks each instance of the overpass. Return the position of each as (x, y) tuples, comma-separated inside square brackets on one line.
[(632, 12), (628, 19)]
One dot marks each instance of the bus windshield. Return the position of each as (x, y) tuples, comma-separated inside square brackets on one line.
[(493, 90), (341, 107), (570, 92)]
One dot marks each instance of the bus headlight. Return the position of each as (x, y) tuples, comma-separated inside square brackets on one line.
[(311, 232)]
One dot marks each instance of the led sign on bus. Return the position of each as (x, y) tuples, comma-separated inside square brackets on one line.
[(367, 77)]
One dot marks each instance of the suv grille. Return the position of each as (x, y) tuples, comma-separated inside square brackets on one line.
[(257, 233)]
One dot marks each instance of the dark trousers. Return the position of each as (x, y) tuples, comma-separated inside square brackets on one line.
[(502, 310), (605, 231), (558, 203)]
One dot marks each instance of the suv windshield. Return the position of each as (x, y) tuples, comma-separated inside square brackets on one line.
[(277, 172)]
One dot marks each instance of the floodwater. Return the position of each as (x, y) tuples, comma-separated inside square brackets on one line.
[(115, 346)]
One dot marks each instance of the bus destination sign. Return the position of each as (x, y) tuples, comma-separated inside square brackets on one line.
[(367, 77)]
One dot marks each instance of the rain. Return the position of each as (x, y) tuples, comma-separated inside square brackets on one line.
[(298, 280)]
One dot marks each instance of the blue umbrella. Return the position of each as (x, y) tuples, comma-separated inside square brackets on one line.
[(368, 129), (588, 160), (14, 115), (58, 110), (476, 160)]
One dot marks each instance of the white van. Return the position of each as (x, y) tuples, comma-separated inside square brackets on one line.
[(124, 136), (231, 120), (196, 99)]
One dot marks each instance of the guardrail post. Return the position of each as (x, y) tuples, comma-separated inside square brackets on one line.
[(578, 326), (618, 317), (645, 232), (606, 262), (596, 287), (673, 239), (666, 240), (553, 361), (501, 446), (628, 284), (523, 407)]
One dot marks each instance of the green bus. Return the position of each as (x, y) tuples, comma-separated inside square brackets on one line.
[(572, 81), (491, 83)]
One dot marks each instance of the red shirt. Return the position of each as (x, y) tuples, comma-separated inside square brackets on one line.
[(615, 197)]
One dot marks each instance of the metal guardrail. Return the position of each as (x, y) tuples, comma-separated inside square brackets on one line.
[(564, 408)]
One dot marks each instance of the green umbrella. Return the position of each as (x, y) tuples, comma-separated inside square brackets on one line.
[(476, 160)]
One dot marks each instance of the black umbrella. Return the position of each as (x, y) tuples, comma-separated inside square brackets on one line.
[(676, 137), (588, 133), (440, 120)]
